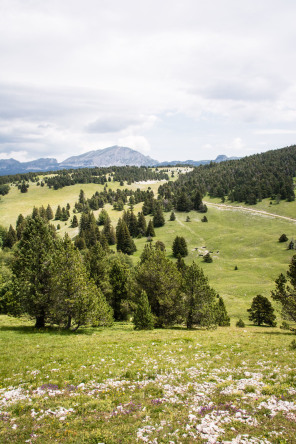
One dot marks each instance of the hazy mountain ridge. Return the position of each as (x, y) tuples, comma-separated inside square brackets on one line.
[(114, 155)]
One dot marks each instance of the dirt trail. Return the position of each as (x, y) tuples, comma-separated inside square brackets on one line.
[(185, 226), (250, 210)]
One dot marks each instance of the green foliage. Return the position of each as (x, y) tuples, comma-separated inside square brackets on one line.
[(222, 318), (143, 318), (207, 258), (74, 222), (10, 238), (161, 280), (285, 291), (293, 345), (261, 311), (200, 306), (150, 229), (158, 217), (283, 238), (119, 279), (32, 271), (240, 323), (204, 219), (180, 247), (125, 243), (172, 216), (76, 300), (4, 189)]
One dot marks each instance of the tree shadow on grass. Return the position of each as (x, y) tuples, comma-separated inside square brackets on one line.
[(274, 333), (47, 330)]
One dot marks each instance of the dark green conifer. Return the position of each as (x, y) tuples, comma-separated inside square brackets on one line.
[(143, 318)]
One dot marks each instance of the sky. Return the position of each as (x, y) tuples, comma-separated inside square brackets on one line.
[(176, 80)]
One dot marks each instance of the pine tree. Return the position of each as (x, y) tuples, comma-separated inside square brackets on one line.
[(158, 217), (161, 280), (108, 232), (142, 226), (74, 223), (125, 243), (172, 216), (58, 213), (207, 258), (261, 311), (24, 188), (35, 212), (143, 318), (180, 247), (133, 225), (200, 298), (150, 229), (118, 275), (76, 300), (11, 238), (49, 212), (32, 270), (42, 213), (222, 318), (285, 292)]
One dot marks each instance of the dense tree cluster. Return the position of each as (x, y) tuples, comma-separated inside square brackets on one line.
[(250, 179), (51, 281)]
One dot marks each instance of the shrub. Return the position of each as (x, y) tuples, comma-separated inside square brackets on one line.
[(283, 238), (143, 318), (240, 323), (208, 258), (293, 345)]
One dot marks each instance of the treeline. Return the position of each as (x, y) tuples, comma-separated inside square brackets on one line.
[(63, 178), (248, 180), (56, 284), (128, 174)]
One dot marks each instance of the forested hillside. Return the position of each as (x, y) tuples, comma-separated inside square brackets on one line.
[(248, 180)]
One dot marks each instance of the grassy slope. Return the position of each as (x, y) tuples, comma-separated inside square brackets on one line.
[(121, 383), (247, 241)]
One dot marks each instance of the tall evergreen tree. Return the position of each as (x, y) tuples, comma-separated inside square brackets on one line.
[(158, 217), (32, 270), (11, 237), (180, 247), (125, 243), (161, 280), (76, 300), (200, 298), (58, 213), (142, 226), (261, 311), (150, 229), (118, 275), (49, 212)]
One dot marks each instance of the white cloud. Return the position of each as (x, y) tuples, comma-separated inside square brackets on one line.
[(21, 156), (138, 143), (77, 76)]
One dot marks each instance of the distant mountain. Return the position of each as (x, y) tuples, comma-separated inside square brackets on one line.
[(12, 166), (114, 155), (220, 158)]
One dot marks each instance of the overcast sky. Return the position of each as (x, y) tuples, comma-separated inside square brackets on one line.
[(173, 79)]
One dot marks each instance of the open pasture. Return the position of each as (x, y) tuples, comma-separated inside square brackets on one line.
[(118, 385)]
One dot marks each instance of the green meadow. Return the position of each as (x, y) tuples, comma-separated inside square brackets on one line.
[(117, 385), (235, 238)]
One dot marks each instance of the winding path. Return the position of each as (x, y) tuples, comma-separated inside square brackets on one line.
[(250, 210)]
